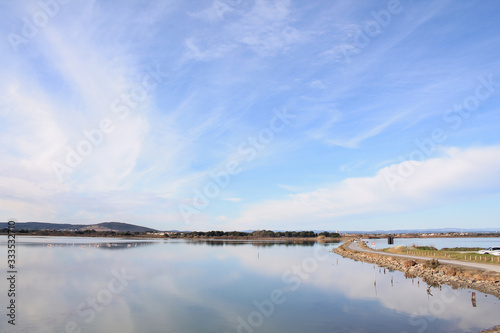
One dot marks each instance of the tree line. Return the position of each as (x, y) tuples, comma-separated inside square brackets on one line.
[(188, 234), (256, 234)]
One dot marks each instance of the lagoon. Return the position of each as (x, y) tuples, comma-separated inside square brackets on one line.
[(117, 285)]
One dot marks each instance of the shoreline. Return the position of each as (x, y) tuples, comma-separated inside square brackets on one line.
[(468, 235), (154, 237), (431, 271)]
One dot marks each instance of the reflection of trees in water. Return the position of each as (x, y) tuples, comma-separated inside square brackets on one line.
[(216, 242), (285, 243)]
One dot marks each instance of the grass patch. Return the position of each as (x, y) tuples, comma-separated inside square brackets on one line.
[(470, 249), (453, 254)]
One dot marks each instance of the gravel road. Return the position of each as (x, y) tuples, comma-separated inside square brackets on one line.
[(494, 268)]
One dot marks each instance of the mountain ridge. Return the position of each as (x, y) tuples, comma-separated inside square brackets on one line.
[(103, 226)]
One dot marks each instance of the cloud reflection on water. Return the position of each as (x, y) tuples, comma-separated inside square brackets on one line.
[(182, 286)]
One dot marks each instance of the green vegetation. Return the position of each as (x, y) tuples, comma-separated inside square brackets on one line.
[(210, 234), (254, 234), (258, 234), (454, 254), (428, 248), (464, 249)]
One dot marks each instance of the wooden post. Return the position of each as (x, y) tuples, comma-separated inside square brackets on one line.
[(473, 299)]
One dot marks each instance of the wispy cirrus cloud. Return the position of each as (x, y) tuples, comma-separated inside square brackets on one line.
[(265, 28), (225, 66), (366, 134), (232, 199), (73, 89)]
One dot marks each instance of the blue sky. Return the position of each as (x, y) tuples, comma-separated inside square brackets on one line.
[(247, 114)]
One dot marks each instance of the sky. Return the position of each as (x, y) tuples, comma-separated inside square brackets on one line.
[(251, 114)]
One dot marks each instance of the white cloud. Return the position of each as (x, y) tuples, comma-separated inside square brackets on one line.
[(457, 175), (232, 199), (48, 103), (64, 80), (216, 12), (34, 131), (266, 29)]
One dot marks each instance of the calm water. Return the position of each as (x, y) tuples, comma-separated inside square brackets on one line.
[(438, 243), (178, 286)]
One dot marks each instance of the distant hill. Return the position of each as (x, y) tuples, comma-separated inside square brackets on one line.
[(105, 226), (119, 226)]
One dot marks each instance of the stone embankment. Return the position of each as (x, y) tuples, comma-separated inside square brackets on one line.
[(431, 271)]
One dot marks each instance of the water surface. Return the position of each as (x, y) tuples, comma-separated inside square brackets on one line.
[(180, 286)]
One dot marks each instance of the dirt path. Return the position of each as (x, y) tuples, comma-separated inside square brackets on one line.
[(494, 268)]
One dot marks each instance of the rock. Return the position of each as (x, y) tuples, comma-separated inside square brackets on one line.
[(431, 276)]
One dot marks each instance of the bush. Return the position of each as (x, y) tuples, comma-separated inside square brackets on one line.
[(425, 248)]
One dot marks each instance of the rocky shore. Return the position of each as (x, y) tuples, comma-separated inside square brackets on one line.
[(431, 271)]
